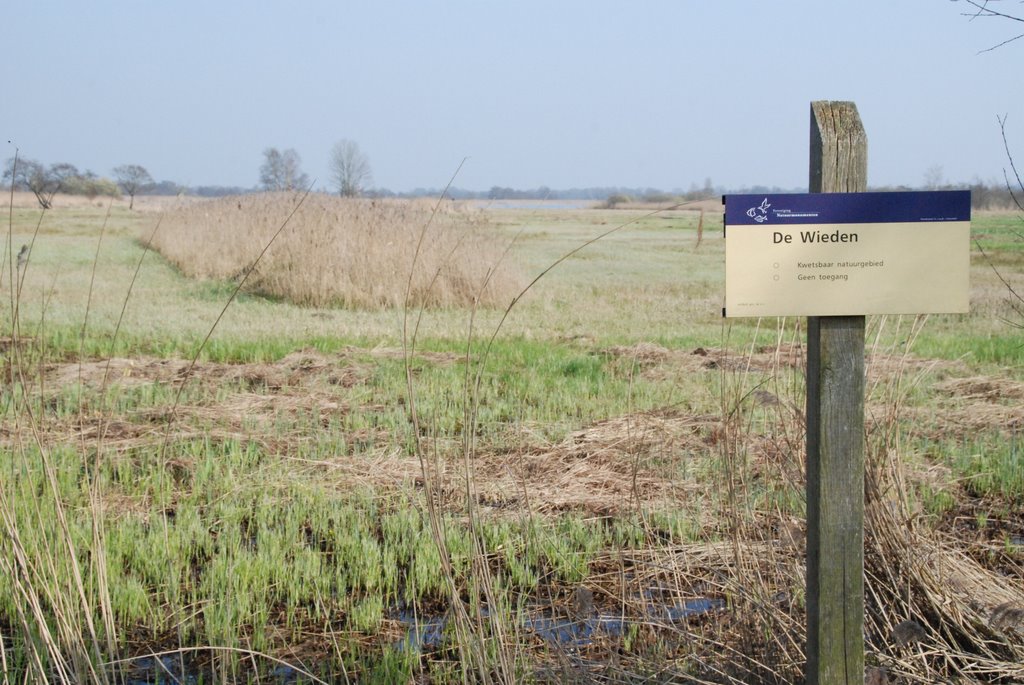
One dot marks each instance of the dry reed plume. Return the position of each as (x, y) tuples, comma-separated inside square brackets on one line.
[(342, 252)]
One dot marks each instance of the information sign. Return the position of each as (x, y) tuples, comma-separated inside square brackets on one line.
[(847, 254)]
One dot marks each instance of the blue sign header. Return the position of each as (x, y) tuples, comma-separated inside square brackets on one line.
[(847, 208)]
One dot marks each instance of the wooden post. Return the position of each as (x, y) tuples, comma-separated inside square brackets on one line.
[(835, 434)]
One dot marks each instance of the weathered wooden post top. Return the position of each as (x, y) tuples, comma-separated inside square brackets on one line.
[(834, 255)]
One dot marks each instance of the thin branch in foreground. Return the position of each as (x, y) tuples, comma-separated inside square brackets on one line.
[(1013, 167), (1006, 283), (982, 9)]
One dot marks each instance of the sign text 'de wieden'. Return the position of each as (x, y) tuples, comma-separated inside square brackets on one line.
[(844, 254)]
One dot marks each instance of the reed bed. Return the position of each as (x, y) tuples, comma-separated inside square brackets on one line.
[(352, 253)]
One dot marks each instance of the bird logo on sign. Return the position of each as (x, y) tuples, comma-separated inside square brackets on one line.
[(759, 213)]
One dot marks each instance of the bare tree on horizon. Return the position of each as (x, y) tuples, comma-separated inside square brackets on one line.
[(133, 179), (350, 168), (282, 170)]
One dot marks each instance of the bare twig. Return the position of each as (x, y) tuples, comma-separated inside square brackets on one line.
[(1015, 194), (983, 9)]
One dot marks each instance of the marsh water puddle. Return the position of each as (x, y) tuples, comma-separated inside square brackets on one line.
[(173, 670), (164, 670), (428, 632)]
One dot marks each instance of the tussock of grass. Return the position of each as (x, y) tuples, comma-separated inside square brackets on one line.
[(343, 252)]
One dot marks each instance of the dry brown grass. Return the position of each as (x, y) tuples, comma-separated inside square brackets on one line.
[(603, 469), (23, 199), (352, 253), (965, 616)]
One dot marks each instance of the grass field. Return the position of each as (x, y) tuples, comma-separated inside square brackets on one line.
[(604, 483)]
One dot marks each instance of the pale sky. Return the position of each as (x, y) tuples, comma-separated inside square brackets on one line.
[(569, 93)]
